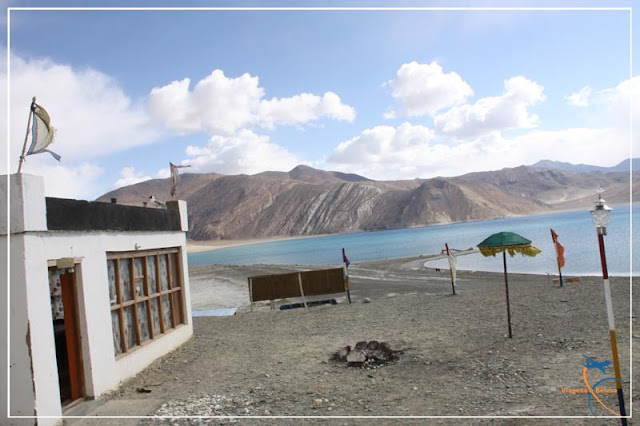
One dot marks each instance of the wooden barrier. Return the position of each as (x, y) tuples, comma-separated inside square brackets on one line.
[(297, 284)]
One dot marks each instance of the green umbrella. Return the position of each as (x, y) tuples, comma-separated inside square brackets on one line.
[(507, 242)]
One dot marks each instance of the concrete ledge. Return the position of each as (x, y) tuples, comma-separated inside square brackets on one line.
[(77, 215)]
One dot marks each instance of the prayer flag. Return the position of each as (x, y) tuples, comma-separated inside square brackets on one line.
[(41, 132), (345, 259), (559, 249), (174, 177)]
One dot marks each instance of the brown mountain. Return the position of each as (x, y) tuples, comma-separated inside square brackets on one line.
[(306, 201)]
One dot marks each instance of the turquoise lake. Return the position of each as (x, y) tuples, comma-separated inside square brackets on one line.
[(575, 229)]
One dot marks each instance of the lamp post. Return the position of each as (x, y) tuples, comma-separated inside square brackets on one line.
[(601, 215)]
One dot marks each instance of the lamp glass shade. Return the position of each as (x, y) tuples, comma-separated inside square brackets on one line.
[(601, 214), (601, 217)]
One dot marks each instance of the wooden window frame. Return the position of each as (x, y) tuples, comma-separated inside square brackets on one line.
[(175, 290)]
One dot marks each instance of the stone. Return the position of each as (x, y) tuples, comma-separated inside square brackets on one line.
[(341, 355), (361, 345), (366, 300), (356, 357)]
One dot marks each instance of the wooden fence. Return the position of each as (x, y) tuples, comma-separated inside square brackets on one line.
[(298, 284)]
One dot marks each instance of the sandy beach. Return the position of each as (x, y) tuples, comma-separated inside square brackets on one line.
[(456, 359), (195, 246)]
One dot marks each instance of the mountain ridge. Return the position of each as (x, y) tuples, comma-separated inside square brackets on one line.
[(308, 201)]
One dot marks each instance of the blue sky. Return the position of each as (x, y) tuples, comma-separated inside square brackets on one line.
[(387, 94)]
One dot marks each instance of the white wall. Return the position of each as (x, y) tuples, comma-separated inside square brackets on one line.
[(103, 372), (33, 374), (33, 381)]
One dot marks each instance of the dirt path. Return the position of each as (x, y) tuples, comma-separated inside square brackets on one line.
[(456, 362)]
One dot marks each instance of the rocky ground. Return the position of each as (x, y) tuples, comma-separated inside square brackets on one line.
[(456, 357)]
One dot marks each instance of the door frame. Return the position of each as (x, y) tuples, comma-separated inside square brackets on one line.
[(69, 290)]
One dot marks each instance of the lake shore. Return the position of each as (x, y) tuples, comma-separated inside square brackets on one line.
[(456, 358), (198, 246)]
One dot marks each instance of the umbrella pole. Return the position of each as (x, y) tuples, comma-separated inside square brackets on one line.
[(506, 288)]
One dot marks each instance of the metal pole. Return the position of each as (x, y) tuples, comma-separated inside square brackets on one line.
[(26, 136), (555, 244), (612, 328), (506, 288)]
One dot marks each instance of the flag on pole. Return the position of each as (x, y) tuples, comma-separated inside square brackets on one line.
[(453, 263), (559, 249), (345, 259), (41, 132), (174, 177)]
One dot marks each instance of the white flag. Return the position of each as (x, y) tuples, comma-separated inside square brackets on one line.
[(453, 262), (174, 177), (41, 132)]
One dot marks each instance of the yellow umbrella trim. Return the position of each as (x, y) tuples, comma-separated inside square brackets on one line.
[(526, 250)]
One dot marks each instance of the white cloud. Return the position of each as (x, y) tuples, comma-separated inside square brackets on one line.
[(304, 108), (422, 89), (244, 152), (221, 105), (129, 176), (581, 98), (216, 105), (407, 152), (66, 181), (496, 113), (90, 112)]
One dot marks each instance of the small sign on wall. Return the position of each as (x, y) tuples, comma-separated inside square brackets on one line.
[(65, 262)]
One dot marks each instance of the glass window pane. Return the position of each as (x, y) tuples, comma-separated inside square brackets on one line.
[(143, 321), (166, 312), (111, 273), (138, 266), (151, 273), (115, 325), (174, 270), (155, 313), (55, 290), (164, 272), (129, 324), (177, 303), (125, 279)]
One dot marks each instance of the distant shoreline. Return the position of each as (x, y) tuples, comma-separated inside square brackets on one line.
[(208, 245)]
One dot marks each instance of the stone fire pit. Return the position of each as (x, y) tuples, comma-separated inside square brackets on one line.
[(367, 354)]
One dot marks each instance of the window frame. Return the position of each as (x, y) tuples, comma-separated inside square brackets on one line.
[(174, 295)]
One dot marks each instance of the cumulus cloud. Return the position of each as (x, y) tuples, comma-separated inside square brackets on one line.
[(508, 111), (580, 98), (424, 89), (92, 116), (304, 108), (77, 181), (221, 105), (244, 152), (383, 143), (90, 112), (129, 176), (407, 152)]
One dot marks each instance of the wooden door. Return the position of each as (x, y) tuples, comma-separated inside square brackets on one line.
[(67, 334)]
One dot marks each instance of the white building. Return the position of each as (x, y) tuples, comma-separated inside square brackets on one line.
[(96, 292)]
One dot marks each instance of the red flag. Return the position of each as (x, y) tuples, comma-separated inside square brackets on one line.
[(559, 249)]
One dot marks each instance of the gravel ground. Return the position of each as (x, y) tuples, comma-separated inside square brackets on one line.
[(456, 360)]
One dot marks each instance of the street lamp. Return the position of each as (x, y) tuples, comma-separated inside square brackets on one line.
[(601, 214)]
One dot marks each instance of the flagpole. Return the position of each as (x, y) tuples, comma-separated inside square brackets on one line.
[(26, 136), (555, 244), (453, 284), (346, 277)]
